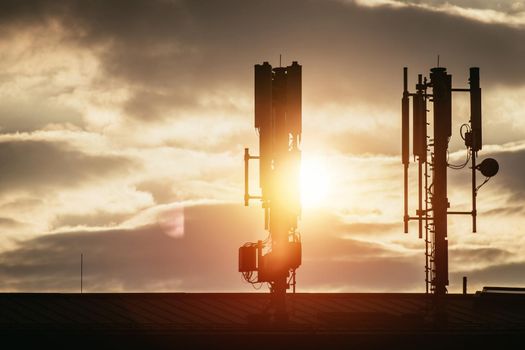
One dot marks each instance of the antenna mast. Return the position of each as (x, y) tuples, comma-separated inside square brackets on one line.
[(433, 204), (278, 118)]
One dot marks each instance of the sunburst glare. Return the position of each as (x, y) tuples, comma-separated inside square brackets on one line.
[(315, 182)]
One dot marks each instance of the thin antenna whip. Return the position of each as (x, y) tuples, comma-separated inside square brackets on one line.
[(81, 272)]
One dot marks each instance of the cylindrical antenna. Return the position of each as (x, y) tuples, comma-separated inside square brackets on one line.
[(475, 109), (419, 143), (405, 143), (405, 123), (475, 124), (405, 79)]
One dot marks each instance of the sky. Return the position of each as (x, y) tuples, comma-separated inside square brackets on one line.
[(123, 123)]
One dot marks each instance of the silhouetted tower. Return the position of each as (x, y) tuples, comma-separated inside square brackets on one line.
[(433, 201), (278, 120)]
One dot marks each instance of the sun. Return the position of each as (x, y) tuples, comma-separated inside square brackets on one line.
[(315, 182)]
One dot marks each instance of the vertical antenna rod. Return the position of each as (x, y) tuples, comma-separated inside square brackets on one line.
[(81, 272)]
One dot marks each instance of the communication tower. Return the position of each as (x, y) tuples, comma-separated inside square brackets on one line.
[(278, 120), (433, 162)]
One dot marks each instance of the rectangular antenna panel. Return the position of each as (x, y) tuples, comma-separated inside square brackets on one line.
[(263, 119), (263, 94), (475, 109), (418, 142), (293, 99)]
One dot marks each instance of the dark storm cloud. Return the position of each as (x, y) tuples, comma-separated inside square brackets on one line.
[(32, 165), (203, 258), (172, 52)]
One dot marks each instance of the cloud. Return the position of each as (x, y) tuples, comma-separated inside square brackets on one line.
[(10, 223), (38, 165), (512, 169), (477, 256), (167, 97), (204, 257), (179, 62), (373, 275), (509, 12), (141, 258), (503, 194), (160, 189), (29, 115), (165, 66), (508, 210), (93, 219), (166, 51), (371, 227), (502, 275)]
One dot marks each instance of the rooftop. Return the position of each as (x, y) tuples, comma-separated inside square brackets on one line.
[(203, 317)]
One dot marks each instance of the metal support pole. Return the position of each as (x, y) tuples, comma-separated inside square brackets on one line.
[(474, 192), (420, 197), (246, 176), (427, 263), (441, 83), (279, 121)]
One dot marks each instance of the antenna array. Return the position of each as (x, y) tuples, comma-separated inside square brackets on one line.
[(433, 163), (278, 119)]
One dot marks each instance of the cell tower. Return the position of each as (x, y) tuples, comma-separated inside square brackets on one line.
[(432, 161), (278, 121)]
